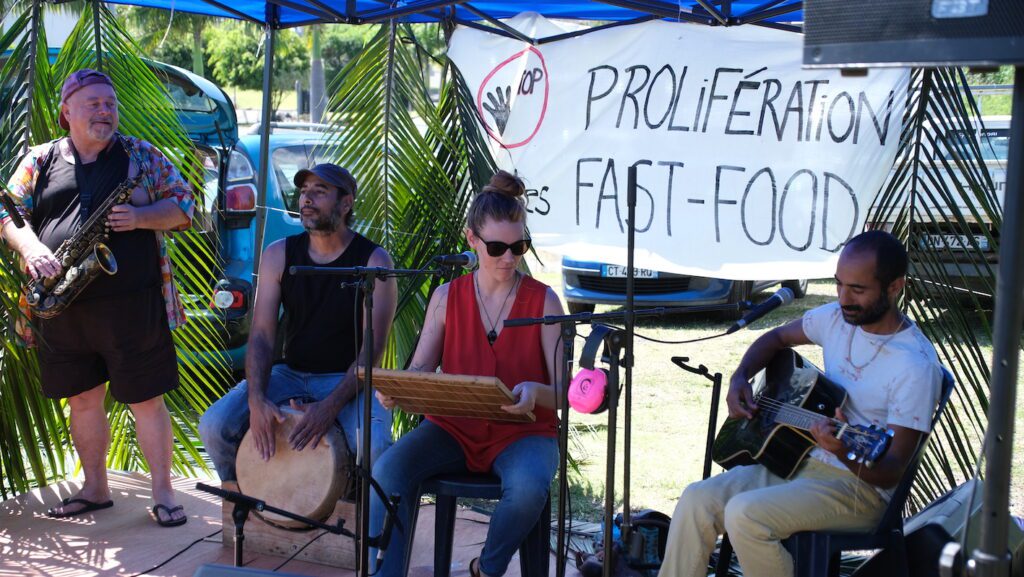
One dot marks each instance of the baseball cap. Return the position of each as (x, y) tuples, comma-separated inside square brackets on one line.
[(76, 81), (331, 174)]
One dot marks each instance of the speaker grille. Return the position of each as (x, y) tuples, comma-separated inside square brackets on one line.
[(841, 31)]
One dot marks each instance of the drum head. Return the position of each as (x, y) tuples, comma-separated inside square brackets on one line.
[(307, 482)]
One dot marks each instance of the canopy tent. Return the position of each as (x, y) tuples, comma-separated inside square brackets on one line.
[(785, 14), (291, 13)]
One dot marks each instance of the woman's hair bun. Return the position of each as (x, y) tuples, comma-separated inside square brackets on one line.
[(506, 183)]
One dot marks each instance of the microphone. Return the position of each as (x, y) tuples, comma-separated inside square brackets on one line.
[(783, 296), (385, 530), (12, 210), (466, 260), (233, 496)]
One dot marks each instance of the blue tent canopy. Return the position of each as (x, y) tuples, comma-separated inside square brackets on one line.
[(290, 13)]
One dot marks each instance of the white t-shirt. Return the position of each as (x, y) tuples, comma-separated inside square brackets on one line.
[(899, 386)]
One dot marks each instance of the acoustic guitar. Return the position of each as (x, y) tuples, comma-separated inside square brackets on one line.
[(792, 395)]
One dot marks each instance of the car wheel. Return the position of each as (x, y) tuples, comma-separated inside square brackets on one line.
[(799, 287), (739, 291), (575, 308)]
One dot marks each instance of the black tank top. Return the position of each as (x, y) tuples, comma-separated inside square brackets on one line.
[(323, 315), (57, 215)]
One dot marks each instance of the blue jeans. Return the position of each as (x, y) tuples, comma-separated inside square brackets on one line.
[(224, 424), (526, 468)]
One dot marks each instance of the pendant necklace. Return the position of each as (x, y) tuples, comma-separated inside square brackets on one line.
[(878, 349), (492, 335)]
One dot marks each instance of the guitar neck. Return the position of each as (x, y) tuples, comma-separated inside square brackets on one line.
[(804, 419)]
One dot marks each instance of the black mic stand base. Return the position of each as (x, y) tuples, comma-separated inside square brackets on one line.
[(239, 514)]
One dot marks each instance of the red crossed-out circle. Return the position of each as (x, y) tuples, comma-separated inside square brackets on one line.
[(544, 107)]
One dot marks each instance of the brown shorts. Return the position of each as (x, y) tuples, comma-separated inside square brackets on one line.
[(122, 339)]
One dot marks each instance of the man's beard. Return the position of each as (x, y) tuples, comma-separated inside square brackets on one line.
[(859, 316), (323, 223)]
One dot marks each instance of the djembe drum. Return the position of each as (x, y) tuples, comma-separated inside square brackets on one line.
[(307, 482)]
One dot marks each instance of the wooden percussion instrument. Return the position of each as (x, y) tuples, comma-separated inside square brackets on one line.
[(307, 482), (447, 395)]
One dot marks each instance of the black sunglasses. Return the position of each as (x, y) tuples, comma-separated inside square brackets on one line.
[(497, 248)]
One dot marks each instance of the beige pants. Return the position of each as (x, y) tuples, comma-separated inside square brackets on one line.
[(758, 510)]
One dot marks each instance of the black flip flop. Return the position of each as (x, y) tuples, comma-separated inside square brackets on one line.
[(169, 511), (88, 507)]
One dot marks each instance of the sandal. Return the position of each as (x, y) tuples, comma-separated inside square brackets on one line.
[(87, 507), (170, 521), (474, 567)]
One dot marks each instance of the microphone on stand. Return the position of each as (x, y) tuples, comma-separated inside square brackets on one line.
[(12, 210), (783, 296), (385, 529), (466, 260)]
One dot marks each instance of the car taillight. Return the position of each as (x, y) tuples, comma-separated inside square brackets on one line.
[(228, 299), (240, 198)]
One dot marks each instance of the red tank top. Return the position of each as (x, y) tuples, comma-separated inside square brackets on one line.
[(516, 356)]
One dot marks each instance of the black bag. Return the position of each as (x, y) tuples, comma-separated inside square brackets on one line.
[(642, 557)]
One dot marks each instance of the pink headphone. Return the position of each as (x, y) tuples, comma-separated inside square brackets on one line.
[(588, 391)]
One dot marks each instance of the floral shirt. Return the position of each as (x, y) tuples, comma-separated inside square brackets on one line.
[(161, 181)]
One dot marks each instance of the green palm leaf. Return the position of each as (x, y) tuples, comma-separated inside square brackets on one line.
[(146, 113), (33, 432), (417, 163), (921, 199)]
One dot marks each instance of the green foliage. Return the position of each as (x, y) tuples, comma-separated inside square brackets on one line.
[(34, 445), (236, 57), (33, 432), (414, 186), (168, 36), (919, 200), (340, 43)]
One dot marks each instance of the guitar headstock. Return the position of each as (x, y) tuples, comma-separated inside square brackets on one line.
[(866, 444)]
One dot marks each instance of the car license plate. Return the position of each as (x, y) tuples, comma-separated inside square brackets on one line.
[(617, 271), (956, 241)]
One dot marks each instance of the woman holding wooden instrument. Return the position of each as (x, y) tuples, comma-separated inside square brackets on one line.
[(463, 334)]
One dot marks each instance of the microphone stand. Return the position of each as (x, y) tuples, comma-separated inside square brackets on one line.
[(245, 503), (369, 276), (614, 340)]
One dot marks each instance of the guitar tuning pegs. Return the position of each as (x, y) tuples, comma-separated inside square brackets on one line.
[(890, 433), (851, 456)]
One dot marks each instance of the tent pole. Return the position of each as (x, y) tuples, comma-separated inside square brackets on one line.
[(269, 38), (992, 557)]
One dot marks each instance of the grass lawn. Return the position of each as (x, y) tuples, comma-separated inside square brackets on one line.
[(670, 406)]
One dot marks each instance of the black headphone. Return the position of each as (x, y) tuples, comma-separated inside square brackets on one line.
[(588, 391)]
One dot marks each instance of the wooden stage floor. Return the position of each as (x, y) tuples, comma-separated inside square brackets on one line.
[(125, 541)]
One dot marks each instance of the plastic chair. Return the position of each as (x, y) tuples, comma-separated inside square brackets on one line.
[(817, 553), (534, 556)]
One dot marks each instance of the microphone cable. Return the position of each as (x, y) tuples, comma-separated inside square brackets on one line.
[(172, 557), (300, 550), (664, 342)]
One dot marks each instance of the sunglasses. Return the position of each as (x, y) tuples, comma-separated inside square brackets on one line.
[(497, 248)]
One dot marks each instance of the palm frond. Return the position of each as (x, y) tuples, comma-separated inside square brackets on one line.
[(33, 432), (940, 185), (146, 113), (37, 431), (417, 163)]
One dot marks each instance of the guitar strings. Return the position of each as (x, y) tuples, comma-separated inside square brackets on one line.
[(774, 407)]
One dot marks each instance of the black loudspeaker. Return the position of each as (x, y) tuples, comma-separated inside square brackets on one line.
[(228, 571), (844, 33)]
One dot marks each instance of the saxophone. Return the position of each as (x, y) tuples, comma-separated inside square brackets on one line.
[(82, 257)]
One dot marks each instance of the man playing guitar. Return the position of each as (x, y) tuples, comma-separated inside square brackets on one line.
[(892, 376)]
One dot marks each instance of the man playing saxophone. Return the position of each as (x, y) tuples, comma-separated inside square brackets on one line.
[(117, 329)]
